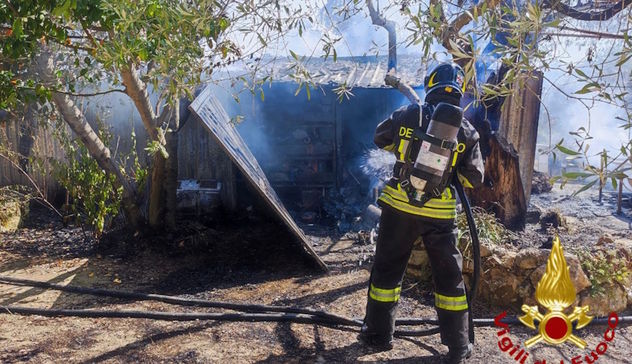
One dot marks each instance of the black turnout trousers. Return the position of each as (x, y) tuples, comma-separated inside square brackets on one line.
[(397, 234)]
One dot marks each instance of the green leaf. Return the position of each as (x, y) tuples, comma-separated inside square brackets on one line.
[(565, 150), (585, 187), (17, 27), (573, 175), (581, 73)]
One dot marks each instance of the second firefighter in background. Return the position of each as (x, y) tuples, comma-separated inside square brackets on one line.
[(403, 221)]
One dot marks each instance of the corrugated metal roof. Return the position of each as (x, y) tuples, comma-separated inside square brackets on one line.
[(367, 71)]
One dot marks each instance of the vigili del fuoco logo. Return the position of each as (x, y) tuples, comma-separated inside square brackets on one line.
[(555, 292)]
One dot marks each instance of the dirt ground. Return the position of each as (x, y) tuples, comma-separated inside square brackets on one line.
[(248, 261)]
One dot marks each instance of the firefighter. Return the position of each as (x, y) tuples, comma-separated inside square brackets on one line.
[(404, 220)]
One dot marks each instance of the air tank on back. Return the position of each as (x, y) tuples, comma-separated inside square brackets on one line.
[(433, 160)]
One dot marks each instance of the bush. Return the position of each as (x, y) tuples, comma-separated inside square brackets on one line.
[(95, 194), (603, 268)]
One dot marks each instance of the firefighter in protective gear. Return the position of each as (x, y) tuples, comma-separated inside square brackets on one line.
[(403, 221)]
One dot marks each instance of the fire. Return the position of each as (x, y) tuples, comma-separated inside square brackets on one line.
[(555, 290)]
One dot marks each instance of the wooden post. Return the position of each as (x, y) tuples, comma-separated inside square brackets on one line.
[(620, 196), (519, 124), (509, 167)]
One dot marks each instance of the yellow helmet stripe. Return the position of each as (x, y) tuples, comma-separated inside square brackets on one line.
[(431, 81)]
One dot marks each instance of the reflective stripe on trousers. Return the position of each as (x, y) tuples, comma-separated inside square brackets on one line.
[(458, 303), (384, 295)]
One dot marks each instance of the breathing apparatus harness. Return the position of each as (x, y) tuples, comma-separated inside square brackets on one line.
[(430, 157)]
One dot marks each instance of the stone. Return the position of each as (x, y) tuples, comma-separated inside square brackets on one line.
[(419, 257), (577, 274), (624, 248), (541, 183), (485, 250), (627, 286), (468, 266), (10, 216), (533, 216), (530, 258), (419, 264), (605, 239), (507, 260), (612, 299), (499, 287), (526, 292), (552, 219)]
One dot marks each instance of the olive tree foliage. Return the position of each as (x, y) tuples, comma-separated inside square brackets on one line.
[(527, 37), (59, 51)]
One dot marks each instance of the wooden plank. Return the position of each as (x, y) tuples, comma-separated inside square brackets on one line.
[(213, 116)]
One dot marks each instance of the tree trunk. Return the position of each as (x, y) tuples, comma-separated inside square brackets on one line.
[(519, 126), (164, 176), (97, 149), (171, 173), (156, 192), (506, 197)]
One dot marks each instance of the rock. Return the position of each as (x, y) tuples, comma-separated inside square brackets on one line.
[(605, 239), (508, 259), (533, 216), (627, 287), (552, 219), (624, 248), (499, 287), (530, 258), (468, 266), (419, 263), (579, 278), (526, 292), (541, 183), (613, 298), (10, 215), (419, 257), (485, 250)]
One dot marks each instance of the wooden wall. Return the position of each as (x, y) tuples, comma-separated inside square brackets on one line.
[(199, 157), (31, 138)]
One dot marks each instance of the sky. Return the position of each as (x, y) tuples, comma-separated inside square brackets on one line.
[(566, 114)]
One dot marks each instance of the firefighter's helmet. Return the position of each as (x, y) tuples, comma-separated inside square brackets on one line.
[(448, 77)]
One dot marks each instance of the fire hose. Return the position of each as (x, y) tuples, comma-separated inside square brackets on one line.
[(247, 312), (476, 253)]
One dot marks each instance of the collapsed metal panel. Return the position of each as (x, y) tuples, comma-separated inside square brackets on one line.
[(213, 116)]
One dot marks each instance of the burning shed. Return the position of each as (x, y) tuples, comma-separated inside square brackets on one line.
[(310, 145), (316, 148)]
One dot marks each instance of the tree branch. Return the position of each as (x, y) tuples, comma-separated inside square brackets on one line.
[(389, 25), (391, 78), (136, 89), (606, 14), (81, 94)]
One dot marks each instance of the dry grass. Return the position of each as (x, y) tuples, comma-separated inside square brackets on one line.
[(490, 231)]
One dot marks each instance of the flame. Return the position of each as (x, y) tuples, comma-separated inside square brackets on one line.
[(555, 290)]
